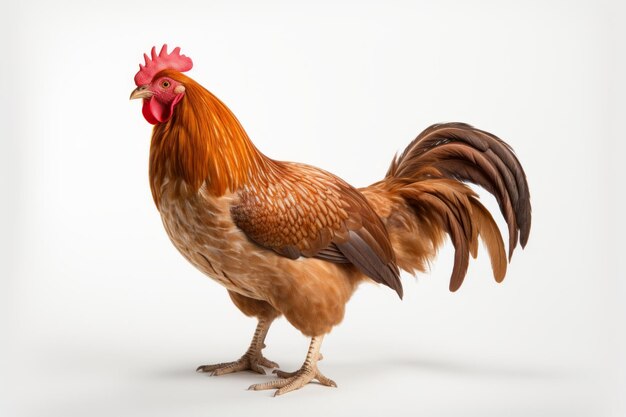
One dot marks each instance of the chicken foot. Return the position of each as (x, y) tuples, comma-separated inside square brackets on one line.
[(291, 381), (252, 360)]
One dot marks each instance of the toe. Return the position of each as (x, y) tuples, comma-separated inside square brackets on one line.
[(254, 367), (283, 374), (229, 369), (294, 384), (267, 363), (325, 381), (210, 368), (279, 383), (292, 381)]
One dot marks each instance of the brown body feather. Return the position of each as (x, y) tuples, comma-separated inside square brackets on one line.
[(291, 239)]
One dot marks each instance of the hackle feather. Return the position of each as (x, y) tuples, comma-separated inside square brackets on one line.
[(203, 143)]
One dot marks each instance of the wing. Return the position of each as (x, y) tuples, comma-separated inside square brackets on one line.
[(308, 212)]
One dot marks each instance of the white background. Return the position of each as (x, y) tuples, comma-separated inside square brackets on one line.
[(102, 317)]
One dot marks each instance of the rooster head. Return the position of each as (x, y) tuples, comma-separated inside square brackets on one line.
[(159, 92)]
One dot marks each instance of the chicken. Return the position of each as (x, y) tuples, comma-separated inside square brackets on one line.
[(288, 239)]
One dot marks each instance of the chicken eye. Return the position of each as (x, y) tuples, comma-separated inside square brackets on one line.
[(165, 84)]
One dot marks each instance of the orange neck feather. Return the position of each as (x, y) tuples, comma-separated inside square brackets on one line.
[(203, 143)]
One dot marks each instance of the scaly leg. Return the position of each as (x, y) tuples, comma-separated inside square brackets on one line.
[(252, 360), (296, 380)]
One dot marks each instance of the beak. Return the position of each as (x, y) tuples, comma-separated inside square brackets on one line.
[(141, 92)]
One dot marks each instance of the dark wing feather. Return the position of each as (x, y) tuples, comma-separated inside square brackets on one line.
[(332, 254), (359, 252), (308, 212)]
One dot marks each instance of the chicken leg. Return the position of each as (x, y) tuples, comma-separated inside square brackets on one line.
[(252, 360), (291, 381)]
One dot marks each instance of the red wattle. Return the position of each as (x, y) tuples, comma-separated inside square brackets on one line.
[(147, 113), (156, 112)]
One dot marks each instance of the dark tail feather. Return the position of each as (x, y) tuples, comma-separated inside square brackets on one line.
[(459, 151), (429, 176)]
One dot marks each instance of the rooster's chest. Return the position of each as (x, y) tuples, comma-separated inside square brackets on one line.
[(202, 230)]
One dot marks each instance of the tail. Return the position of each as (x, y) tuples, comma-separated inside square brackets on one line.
[(425, 185)]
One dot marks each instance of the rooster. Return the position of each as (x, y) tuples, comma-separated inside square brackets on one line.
[(288, 239)]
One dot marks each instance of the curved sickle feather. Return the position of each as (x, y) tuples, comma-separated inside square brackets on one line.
[(465, 153), (459, 152)]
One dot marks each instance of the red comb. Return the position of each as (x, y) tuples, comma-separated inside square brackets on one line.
[(160, 62)]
